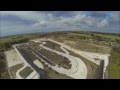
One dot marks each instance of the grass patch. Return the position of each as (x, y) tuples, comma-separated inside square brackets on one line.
[(108, 37), (55, 75), (95, 36), (4, 75), (25, 72), (14, 69), (81, 36), (114, 64), (89, 46)]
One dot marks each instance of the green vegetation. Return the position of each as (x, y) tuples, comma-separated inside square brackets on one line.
[(14, 69), (107, 37), (25, 72), (114, 64), (78, 35), (4, 75), (3, 68), (89, 46), (9, 41), (55, 75), (95, 36)]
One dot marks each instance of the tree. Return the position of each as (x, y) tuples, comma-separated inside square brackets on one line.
[(98, 38), (118, 41)]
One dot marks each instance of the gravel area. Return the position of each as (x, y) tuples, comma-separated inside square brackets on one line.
[(12, 58)]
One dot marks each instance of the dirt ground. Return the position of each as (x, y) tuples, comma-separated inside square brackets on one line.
[(12, 58)]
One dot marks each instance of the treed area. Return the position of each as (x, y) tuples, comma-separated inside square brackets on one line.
[(9, 41)]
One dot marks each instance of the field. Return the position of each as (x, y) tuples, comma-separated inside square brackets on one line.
[(55, 75), (76, 35), (99, 36), (9, 41), (88, 46), (78, 41), (108, 37)]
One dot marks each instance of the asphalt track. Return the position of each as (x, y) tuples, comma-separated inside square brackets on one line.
[(41, 56), (39, 71), (101, 68)]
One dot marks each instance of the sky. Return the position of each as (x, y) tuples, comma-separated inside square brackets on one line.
[(21, 22)]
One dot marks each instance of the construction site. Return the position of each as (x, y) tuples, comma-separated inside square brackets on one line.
[(50, 59)]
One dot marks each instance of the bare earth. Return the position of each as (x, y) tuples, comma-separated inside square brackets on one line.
[(12, 58)]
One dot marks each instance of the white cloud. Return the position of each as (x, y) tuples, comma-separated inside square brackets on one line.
[(116, 15), (103, 23), (26, 15), (77, 20), (50, 21)]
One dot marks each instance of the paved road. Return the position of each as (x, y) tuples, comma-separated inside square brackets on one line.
[(101, 70), (64, 50), (39, 71), (41, 56)]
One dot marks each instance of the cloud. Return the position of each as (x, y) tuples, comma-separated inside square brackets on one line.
[(26, 15), (116, 15), (76, 20), (103, 23), (34, 21)]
